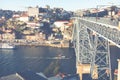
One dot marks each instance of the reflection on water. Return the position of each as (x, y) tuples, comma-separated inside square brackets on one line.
[(7, 51), (47, 58)]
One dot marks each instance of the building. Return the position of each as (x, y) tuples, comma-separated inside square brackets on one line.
[(34, 37), (8, 36), (59, 24), (11, 77), (24, 75), (34, 24), (16, 17), (24, 17), (30, 75), (33, 11)]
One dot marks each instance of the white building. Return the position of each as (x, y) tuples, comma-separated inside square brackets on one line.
[(33, 11), (24, 18), (59, 24)]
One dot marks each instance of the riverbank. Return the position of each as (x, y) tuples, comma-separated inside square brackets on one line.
[(51, 43)]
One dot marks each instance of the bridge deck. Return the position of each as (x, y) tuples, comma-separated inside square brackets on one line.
[(104, 27)]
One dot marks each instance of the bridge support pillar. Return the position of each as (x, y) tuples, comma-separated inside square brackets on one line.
[(85, 69)]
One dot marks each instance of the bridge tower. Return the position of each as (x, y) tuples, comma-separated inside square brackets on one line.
[(92, 52)]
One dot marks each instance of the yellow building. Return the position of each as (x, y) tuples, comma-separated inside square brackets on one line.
[(8, 36)]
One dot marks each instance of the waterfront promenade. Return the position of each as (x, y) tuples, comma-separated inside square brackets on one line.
[(52, 43)]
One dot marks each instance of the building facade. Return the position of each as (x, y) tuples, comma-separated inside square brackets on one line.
[(33, 11)]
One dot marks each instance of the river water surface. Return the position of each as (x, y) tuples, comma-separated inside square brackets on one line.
[(38, 59)]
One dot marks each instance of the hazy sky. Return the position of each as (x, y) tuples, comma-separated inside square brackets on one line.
[(66, 4)]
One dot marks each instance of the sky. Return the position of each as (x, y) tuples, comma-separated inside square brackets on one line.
[(69, 5)]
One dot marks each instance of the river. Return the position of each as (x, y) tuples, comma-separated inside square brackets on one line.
[(38, 59)]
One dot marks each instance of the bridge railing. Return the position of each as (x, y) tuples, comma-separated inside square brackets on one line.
[(103, 20), (109, 32)]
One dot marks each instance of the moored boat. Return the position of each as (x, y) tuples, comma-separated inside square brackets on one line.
[(6, 46)]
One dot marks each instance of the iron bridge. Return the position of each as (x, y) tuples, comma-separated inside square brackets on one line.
[(91, 41)]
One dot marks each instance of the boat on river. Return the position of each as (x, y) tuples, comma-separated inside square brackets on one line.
[(6, 46)]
